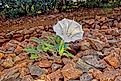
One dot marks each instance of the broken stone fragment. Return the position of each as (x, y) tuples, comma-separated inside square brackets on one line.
[(96, 44), (83, 65), (112, 60), (118, 78), (95, 73), (54, 76), (109, 75), (95, 61), (55, 66), (18, 49), (8, 63), (44, 64), (86, 77), (1, 55), (70, 72), (84, 45), (27, 78), (35, 70)]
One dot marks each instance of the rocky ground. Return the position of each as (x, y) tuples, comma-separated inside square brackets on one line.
[(98, 57)]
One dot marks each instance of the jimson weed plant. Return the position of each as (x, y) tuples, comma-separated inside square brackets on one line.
[(50, 45), (66, 31)]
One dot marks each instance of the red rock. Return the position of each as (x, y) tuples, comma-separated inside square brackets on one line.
[(70, 72), (58, 61), (11, 71), (119, 44), (49, 70), (2, 34), (109, 37), (19, 38), (95, 73), (94, 80), (3, 41), (27, 78), (109, 75), (1, 55), (104, 27), (112, 60), (115, 23), (45, 63), (78, 55), (17, 35), (18, 49), (67, 60), (86, 26), (23, 72), (26, 31), (97, 26), (26, 36), (1, 69), (1, 37), (91, 21), (118, 78), (39, 80), (55, 76), (8, 63), (103, 19), (20, 57), (10, 55), (119, 25), (97, 17), (41, 27), (43, 77)]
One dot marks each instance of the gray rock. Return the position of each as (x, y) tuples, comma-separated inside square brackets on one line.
[(55, 66), (96, 44), (94, 60), (9, 35), (10, 50), (35, 70), (86, 77), (83, 65)]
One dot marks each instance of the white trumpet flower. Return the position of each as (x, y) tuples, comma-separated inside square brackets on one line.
[(68, 30)]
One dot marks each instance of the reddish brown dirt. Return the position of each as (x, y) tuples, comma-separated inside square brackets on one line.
[(45, 20)]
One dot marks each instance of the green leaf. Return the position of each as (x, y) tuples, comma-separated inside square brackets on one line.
[(32, 8), (39, 47), (34, 56), (68, 54), (66, 45), (57, 47), (31, 50), (61, 48), (37, 40), (58, 39)]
